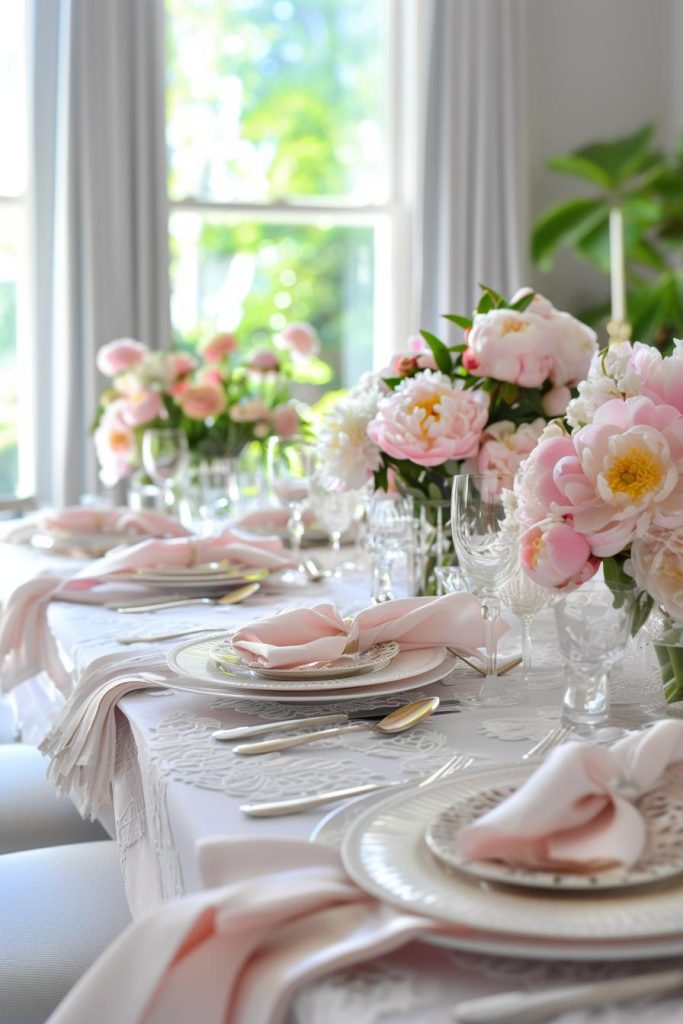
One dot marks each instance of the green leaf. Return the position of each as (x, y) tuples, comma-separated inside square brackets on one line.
[(442, 356), (646, 253), (392, 382), (486, 303), (496, 297), (521, 304), (621, 158), (457, 348), (563, 225), (581, 167), (461, 321)]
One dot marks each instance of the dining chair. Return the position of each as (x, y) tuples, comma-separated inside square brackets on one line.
[(32, 815), (61, 907)]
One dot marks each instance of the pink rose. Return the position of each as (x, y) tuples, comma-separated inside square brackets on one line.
[(554, 555), (202, 401), (511, 346), (301, 339), (120, 355), (114, 445), (556, 400), (285, 420), (142, 407), (218, 348), (429, 419), (249, 411), (264, 361), (660, 379), (181, 363)]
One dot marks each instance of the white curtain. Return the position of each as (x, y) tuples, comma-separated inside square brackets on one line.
[(472, 220), (99, 224)]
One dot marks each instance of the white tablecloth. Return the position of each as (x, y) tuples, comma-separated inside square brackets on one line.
[(175, 784)]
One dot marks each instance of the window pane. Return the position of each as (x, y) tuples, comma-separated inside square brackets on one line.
[(255, 278), (10, 225), (13, 98), (271, 99)]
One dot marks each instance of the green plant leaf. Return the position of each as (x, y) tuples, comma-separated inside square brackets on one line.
[(646, 253), (619, 159), (442, 356), (573, 163), (496, 297), (485, 304), (562, 225), (461, 321), (521, 304)]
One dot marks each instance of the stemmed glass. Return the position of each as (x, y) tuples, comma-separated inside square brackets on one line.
[(525, 599), (486, 554), (291, 463), (164, 456), (333, 510)]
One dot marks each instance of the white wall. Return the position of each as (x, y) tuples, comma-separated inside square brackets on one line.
[(597, 69)]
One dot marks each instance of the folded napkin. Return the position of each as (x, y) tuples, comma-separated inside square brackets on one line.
[(575, 813), (26, 645), (321, 634), (276, 914), (94, 519), (275, 518), (81, 744)]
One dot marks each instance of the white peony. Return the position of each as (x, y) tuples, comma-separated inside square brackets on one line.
[(349, 456), (610, 376)]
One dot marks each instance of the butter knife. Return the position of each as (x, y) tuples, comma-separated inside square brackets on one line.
[(244, 731)]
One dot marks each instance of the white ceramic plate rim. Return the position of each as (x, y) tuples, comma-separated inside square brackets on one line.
[(490, 943), (413, 880), (371, 661), (192, 685), (405, 665)]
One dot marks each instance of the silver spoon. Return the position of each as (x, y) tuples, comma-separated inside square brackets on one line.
[(398, 721)]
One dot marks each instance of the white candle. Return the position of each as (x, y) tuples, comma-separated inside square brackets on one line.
[(617, 267)]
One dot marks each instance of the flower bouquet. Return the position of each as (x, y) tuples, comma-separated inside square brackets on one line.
[(607, 489), (221, 398), (478, 406)]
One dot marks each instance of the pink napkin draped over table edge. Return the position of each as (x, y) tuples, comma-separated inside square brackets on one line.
[(576, 811), (319, 633), (27, 646), (94, 519), (276, 915)]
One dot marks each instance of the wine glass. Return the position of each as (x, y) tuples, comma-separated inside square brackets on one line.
[(164, 456), (525, 599), (486, 554), (334, 511), (291, 461)]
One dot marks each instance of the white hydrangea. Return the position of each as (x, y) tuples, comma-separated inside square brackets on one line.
[(349, 456), (610, 376)]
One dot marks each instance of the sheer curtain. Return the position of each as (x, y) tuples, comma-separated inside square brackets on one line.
[(99, 232), (471, 220)]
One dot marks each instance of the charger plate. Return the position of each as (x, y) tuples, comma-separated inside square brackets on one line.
[(372, 660), (214, 682), (385, 852)]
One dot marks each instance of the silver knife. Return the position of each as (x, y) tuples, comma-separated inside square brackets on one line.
[(446, 707)]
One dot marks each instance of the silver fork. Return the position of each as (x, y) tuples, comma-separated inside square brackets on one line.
[(551, 740), (457, 763)]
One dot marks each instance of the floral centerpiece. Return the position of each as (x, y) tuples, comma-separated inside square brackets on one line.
[(222, 398), (606, 488)]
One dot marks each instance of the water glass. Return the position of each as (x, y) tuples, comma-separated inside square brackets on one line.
[(291, 463), (593, 628), (165, 456), (390, 537), (334, 511)]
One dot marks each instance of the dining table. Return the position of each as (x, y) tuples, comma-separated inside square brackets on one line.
[(173, 784)]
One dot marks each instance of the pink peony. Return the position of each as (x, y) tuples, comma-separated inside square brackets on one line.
[(554, 555), (181, 363), (218, 348), (428, 419), (657, 565), (142, 407), (402, 366), (511, 346), (264, 361), (574, 345), (249, 411), (120, 355), (202, 401), (661, 379), (114, 445), (503, 446), (422, 352), (301, 339), (285, 420), (556, 400)]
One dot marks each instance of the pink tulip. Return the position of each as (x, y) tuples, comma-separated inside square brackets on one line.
[(302, 339), (120, 355), (142, 407), (554, 555), (285, 420), (202, 401), (218, 348)]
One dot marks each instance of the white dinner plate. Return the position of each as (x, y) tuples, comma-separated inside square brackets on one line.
[(95, 544), (376, 658), (385, 852), (188, 583), (213, 682), (333, 827)]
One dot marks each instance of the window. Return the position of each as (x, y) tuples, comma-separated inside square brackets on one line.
[(281, 198), (14, 348)]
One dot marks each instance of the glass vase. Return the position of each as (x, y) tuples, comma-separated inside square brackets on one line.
[(666, 635), (434, 547)]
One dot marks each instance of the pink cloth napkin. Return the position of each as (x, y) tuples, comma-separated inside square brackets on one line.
[(269, 519), (94, 520), (27, 646), (276, 914), (320, 634), (575, 812)]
